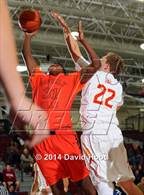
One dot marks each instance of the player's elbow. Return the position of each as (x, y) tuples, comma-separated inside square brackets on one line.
[(96, 63), (24, 53)]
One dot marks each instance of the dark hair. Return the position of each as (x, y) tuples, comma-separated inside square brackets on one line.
[(64, 70), (62, 66), (116, 63)]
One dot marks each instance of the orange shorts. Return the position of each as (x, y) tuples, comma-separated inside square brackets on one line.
[(59, 156)]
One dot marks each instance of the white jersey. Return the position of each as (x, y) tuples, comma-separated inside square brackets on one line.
[(101, 96)]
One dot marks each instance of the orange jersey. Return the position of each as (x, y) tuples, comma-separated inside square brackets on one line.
[(55, 94)]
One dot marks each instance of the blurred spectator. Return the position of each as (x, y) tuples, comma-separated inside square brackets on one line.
[(137, 176), (26, 161), (3, 189), (13, 154), (136, 160), (9, 178), (141, 169), (141, 184)]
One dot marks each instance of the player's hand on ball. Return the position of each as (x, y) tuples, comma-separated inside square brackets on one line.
[(31, 34)]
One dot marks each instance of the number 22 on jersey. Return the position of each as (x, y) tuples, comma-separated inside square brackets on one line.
[(106, 101)]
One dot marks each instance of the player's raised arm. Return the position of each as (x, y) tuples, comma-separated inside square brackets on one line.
[(9, 77), (86, 71), (27, 54), (95, 61), (72, 44)]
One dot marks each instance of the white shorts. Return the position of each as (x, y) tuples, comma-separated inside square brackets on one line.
[(105, 155)]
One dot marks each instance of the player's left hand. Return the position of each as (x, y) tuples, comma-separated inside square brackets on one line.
[(31, 34), (61, 20), (81, 34)]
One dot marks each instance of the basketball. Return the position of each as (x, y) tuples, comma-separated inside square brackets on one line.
[(29, 20)]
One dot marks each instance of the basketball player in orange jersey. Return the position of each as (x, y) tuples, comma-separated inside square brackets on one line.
[(59, 155)]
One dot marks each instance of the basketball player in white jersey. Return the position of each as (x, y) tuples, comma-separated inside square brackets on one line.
[(102, 140), (39, 183)]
